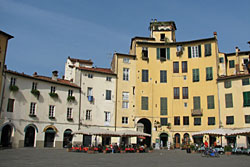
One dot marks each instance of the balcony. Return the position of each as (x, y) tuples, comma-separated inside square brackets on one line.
[(197, 112)]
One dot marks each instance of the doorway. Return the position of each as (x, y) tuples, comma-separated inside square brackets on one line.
[(6, 136), (146, 129), (49, 137), (164, 139), (29, 138), (67, 138), (177, 140)]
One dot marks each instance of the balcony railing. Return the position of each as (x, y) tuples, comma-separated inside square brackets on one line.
[(196, 112)]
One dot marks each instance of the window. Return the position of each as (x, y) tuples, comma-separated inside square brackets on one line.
[(108, 78), (108, 94), (163, 54), (162, 37), (221, 60), (144, 53), (32, 108), (208, 49), (69, 113), (209, 73), (10, 107), (164, 106), (52, 89), (247, 119), (144, 75), (90, 91), (184, 67), (245, 81), (107, 116), (70, 92), (185, 120), (163, 76), (197, 102), (185, 92), (51, 111), (196, 75), (230, 120), (144, 103), (176, 67), (124, 120), (211, 120), (125, 60), (231, 64), (194, 51), (229, 100), (210, 102), (164, 121), (88, 115), (12, 81), (176, 93), (34, 86), (245, 61), (227, 84), (197, 121), (125, 74), (90, 75), (246, 99), (176, 120), (125, 99)]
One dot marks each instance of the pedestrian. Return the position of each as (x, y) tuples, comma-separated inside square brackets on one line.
[(206, 144)]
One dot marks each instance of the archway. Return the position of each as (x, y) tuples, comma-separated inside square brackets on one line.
[(67, 138), (186, 139), (6, 136), (146, 129), (177, 139), (29, 138), (164, 139), (49, 137)]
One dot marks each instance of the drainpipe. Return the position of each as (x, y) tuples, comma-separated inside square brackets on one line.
[(116, 91), (80, 102), (3, 88)]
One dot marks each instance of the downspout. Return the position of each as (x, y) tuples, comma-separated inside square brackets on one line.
[(116, 89), (3, 88), (80, 102)]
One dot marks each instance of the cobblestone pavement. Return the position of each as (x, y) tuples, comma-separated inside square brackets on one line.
[(60, 157)]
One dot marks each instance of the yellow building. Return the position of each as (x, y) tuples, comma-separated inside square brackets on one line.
[(234, 95), (4, 37), (174, 85)]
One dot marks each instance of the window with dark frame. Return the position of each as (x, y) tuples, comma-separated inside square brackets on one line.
[(197, 102), (231, 64), (229, 100), (176, 67), (162, 37), (185, 93), (197, 121), (177, 120), (196, 75), (164, 121), (163, 76), (184, 67), (124, 120), (144, 75), (245, 81), (108, 94), (210, 102), (144, 103), (176, 93), (185, 120), (88, 115), (209, 73), (32, 108), (247, 119), (10, 106), (211, 120), (164, 105), (246, 99), (227, 84), (230, 120)]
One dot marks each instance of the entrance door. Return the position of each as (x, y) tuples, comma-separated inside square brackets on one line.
[(164, 139), (49, 137), (177, 140), (29, 137), (67, 138), (6, 136)]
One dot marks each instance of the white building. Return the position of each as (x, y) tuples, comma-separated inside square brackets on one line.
[(38, 111), (98, 86)]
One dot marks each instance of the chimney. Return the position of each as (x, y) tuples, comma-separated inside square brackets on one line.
[(35, 74), (215, 35), (54, 75)]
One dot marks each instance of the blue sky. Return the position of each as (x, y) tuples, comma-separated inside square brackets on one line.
[(48, 31)]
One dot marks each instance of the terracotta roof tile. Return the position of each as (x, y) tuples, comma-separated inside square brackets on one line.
[(81, 61)]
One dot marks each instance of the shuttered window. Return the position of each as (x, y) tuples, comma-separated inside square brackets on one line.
[(197, 121), (246, 99), (164, 121), (197, 101), (185, 92), (163, 54), (176, 67), (144, 103), (230, 120), (209, 73), (231, 64), (210, 102), (229, 100), (194, 51), (164, 106), (245, 81), (144, 75), (176, 93), (211, 120), (196, 75), (227, 84), (163, 76), (208, 49)]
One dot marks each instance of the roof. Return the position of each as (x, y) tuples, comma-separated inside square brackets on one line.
[(44, 78), (238, 76), (123, 54), (9, 36), (239, 53), (163, 23), (141, 38), (81, 61), (97, 70), (178, 43)]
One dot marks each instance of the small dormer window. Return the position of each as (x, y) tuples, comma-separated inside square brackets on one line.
[(162, 37)]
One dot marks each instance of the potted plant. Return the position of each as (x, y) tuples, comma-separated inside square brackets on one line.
[(228, 150), (35, 92), (71, 98), (169, 125), (13, 88), (150, 149), (192, 147), (53, 95)]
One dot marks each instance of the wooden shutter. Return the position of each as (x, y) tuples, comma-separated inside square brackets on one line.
[(158, 53), (208, 49), (197, 102), (199, 50), (164, 106), (168, 53), (189, 52)]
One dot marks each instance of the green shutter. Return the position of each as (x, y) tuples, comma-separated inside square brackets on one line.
[(210, 102), (168, 53), (199, 49), (208, 49), (164, 106), (246, 98), (189, 52), (229, 100), (144, 103), (158, 53), (197, 102)]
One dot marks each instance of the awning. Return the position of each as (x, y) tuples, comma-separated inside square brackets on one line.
[(215, 132), (243, 132), (95, 131), (132, 133), (47, 129)]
